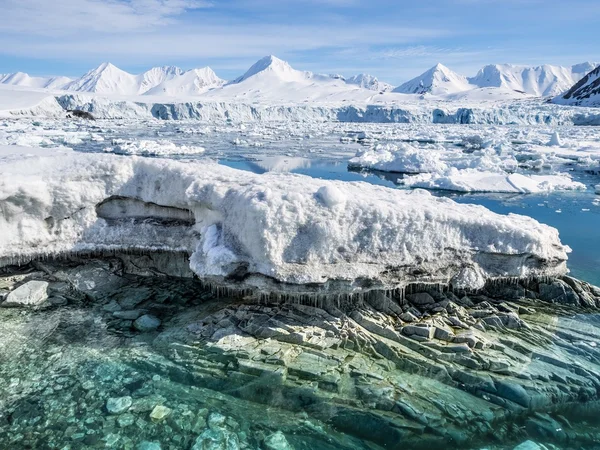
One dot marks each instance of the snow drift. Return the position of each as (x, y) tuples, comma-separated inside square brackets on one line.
[(277, 231)]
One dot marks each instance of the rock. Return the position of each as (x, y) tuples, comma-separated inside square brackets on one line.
[(558, 292), (443, 334), (146, 323), (148, 446), (118, 405), (126, 420), (420, 299), (160, 413), (408, 317), (277, 441), (216, 421), (530, 445), (214, 439), (132, 314), (32, 293), (426, 332), (80, 114)]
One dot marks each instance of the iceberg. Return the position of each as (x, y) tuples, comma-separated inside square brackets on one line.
[(275, 231)]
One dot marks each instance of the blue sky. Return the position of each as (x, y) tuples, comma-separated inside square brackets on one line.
[(394, 40)]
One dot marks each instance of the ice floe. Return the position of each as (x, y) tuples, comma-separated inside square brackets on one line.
[(260, 230), (151, 148)]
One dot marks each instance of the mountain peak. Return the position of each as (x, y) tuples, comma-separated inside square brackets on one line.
[(437, 80), (267, 64)]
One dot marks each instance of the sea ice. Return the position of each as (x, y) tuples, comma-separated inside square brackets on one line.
[(282, 227)]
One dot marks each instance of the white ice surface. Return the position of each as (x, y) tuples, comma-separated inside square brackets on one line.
[(290, 228), (472, 180), (151, 148)]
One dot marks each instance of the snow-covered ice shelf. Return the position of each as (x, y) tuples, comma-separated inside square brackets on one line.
[(261, 230)]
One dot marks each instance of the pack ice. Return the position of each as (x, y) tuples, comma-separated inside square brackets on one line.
[(260, 230)]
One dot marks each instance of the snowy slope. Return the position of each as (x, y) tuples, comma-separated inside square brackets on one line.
[(287, 228), (191, 82), (439, 80), (370, 82), (106, 79), (25, 80), (584, 93), (157, 75), (272, 79), (541, 81)]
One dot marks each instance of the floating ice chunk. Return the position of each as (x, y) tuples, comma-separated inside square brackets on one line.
[(470, 180), (404, 158), (555, 140), (151, 148), (261, 230)]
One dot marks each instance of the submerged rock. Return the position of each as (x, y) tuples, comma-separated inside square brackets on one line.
[(277, 441), (118, 405), (32, 293), (146, 323)]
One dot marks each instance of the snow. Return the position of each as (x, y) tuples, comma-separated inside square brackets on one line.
[(192, 82), (105, 79), (541, 81), (151, 148), (472, 180), (585, 93), (438, 80), (403, 158), (370, 82), (282, 227), (498, 161), (24, 80)]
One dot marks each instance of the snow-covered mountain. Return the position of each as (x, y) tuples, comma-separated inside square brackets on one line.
[(586, 92), (168, 80), (540, 81), (106, 79), (271, 67), (439, 80), (370, 82), (191, 82), (25, 80), (273, 79), (157, 75)]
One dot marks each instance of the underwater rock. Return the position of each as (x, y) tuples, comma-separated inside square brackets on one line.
[(277, 441), (33, 293), (146, 323), (160, 413), (118, 405)]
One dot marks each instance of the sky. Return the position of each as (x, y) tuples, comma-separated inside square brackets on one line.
[(394, 40)]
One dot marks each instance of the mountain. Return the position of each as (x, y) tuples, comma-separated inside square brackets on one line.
[(541, 81), (192, 82), (23, 79), (274, 68), (367, 81), (586, 92), (439, 80), (157, 75), (106, 79)]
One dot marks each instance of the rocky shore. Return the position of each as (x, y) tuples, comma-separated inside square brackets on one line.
[(110, 352)]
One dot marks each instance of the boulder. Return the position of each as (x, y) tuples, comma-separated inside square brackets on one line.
[(146, 323), (32, 293)]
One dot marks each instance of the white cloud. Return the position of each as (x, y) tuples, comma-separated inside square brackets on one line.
[(64, 17)]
